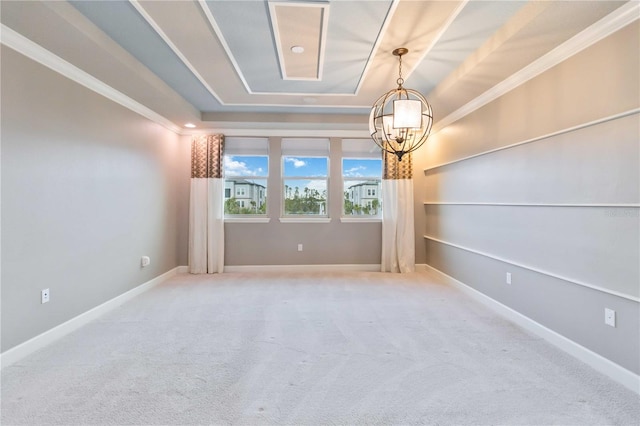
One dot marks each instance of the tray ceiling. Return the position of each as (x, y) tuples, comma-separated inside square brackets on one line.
[(232, 62)]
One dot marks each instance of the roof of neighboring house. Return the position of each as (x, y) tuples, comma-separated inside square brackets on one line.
[(244, 181)]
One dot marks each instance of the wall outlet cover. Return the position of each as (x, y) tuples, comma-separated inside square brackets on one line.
[(44, 296), (610, 317)]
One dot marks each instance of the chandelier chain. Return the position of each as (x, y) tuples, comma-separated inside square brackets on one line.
[(400, 80)]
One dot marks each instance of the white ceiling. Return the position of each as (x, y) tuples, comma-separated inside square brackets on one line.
[(229, 63)]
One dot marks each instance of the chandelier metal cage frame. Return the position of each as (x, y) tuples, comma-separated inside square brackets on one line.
[(400, 120)]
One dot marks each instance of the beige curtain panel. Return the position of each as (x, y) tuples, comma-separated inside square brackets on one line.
[(206, 206), (398, 239)]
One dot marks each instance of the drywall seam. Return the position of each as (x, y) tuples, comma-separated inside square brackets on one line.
[(537, 270), (540, 138), (598, 362), (24, 349)]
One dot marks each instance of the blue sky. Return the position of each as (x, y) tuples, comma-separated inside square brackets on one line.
[(258, 166), (306, 166), (300, 166), (235, 165), (354, 168)]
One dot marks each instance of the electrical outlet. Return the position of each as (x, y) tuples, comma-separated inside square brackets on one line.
[(44, 296), (299, 247), (508, 278), (145, 261), (610, 317)]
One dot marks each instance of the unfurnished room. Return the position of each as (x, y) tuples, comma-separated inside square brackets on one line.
[(331, 212)]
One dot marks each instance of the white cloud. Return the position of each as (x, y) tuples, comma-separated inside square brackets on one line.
[(353, 172), (297, 163), (319, 185), (238, 168)]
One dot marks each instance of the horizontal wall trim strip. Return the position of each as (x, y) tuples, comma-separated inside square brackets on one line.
[(540, 138), (302, 268), (605, 366), (24, 349), (606, 26), (455, 203), (537, 270), (34, 51)]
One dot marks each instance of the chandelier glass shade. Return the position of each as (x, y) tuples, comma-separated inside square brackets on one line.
[(400, 120)]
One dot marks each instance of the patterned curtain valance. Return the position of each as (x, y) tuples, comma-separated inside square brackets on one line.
[(394, 169), (206, 156)]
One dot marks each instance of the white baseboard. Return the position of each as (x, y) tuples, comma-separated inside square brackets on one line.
[(182, 269), (302, 268), (598, 362), (38, 342)]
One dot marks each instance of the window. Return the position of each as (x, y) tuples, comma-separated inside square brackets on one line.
[(246, 168), (361, 176), (305, 172)]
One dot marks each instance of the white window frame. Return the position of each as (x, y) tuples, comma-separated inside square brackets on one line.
[(239, 147), (360, 149), (305, 148)]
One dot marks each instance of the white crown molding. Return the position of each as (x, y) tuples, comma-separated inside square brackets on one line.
[(283, 132), (28, 48), (247, 88), (136, 4), (540, 138), (376, 46), (611, 23), (223, 42), (24, 349), (534, 269), (443, 29), (596, 361)]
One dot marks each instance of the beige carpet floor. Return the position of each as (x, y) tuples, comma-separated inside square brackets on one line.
[(308, 349)]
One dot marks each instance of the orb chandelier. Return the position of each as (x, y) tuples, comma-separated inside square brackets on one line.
[(401, 119)]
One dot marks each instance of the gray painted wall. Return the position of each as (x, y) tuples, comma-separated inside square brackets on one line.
[(276, 243), (482, 215), (88, 187)]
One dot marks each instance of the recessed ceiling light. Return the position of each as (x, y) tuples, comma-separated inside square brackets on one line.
[(297, 49), (190, 125)]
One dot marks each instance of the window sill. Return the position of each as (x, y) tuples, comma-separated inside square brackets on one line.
[(305, 219), (245, 219), (361, 219)]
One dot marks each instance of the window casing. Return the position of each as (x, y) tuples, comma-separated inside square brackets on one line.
[(361, 177), (246, 169), (305, 177)]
